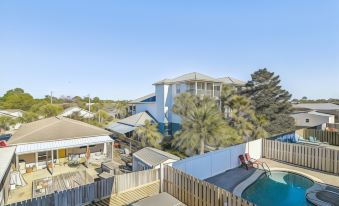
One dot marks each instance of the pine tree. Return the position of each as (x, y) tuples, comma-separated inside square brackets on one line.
[(270, 101)]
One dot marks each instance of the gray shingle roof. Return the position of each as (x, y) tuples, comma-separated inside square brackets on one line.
[(54, 128), (231, 80), (153, 156)]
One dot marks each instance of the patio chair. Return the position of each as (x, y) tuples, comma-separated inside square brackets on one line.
[(245, 163), (253, 161)]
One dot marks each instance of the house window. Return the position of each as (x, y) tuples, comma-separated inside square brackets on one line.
[(307, 120), (177, 87), (201, 85)]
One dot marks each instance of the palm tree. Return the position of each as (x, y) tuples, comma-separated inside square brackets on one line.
[(202, 124), (121, 108), (148, 135), (244, 119)]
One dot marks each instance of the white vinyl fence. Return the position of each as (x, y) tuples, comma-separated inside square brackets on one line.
[(216, 162)]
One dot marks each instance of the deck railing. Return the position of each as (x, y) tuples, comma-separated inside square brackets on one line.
[(192, 191), (81, 195), (314, 157), (95, 191)]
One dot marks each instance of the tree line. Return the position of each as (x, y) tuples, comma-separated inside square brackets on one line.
[(35, 108)]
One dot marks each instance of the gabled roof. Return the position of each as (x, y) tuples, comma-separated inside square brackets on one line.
[(130, 123), (54, 128), (141, 99), (194, 76), (232, 81), (153, 156), (317, 106), (137, 119)]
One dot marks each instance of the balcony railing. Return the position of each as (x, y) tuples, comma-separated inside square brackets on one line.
[(202, 92)]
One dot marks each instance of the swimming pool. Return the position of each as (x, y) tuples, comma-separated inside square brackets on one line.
[(279, 188)]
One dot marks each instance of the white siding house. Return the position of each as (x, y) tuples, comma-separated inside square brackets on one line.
[(160, 103), (312, 119), (82, 112)]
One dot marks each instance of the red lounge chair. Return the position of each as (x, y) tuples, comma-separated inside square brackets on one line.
[(251, 160), (244, 162)]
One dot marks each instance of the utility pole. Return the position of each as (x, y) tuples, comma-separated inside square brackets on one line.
[(89, 103), (51, 97)]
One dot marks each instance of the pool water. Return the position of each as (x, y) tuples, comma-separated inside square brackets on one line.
[(279, 188)]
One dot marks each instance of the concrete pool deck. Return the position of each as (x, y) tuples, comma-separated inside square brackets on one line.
[(237, 179), (229, 179)]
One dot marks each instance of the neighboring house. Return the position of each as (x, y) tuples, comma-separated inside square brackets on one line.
[(82, 112), (312, 119), (6, 158), (112, 112), (151, 158), (327, 108), (13, 113), (160, 103), (128, 125), (56, 140)]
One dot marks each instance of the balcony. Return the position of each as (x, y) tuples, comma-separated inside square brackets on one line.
[(202, 92)]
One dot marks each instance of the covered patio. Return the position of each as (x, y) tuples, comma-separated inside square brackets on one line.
[(60, 141), (35, 156)]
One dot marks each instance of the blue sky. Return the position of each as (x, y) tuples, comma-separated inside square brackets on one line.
[(117, 49)]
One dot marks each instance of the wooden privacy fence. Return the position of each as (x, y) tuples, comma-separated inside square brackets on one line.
[(315, 157), (81, 195), (135, 179), (323, 136), (192, 191)]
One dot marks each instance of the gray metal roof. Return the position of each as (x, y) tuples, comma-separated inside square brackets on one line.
[(317, 106), (54, 128), (130, 123), (6, 156), (163, 199), (120, 128), (195, 76), (153, 156), (231, 80)]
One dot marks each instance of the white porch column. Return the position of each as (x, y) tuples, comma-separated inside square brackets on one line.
[(105, 148), (212, 89), (57, 153), (52, 154), (17, 162), (196, 88)]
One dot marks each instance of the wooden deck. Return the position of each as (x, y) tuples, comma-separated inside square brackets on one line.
[(131, 196)]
